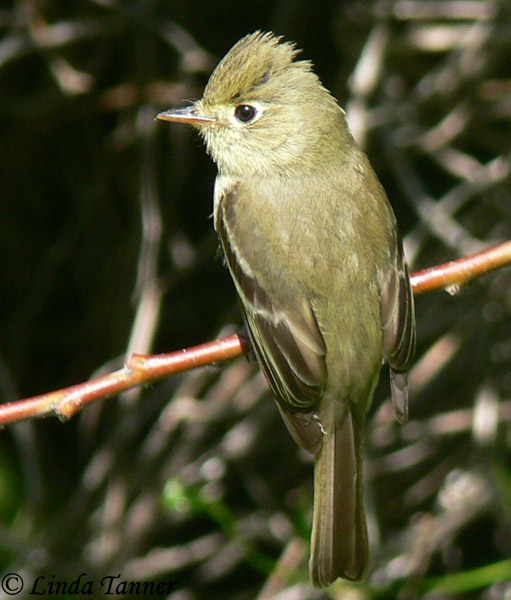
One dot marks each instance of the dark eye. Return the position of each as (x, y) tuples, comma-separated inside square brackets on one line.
[(245, 113)]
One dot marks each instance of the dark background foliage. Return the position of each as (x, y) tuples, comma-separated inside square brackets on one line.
[(107, 248)]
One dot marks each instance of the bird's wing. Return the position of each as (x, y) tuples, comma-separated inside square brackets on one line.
[(398, 330), (286, 340)]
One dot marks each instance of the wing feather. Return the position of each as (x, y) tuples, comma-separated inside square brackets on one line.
[(398, 330), (286, 339)]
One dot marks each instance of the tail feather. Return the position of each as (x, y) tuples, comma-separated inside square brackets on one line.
[(339, 533)]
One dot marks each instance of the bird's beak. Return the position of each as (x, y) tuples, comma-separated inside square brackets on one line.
[(187, 114)]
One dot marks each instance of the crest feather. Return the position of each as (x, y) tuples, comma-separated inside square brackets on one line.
[(256, 59)]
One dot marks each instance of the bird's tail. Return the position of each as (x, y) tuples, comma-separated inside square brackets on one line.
[(339, 545)]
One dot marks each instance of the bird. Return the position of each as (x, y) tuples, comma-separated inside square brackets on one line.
[(313, 248)]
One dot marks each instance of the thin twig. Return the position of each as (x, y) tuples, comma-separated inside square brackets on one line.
[(455, 274), (144, 369), (139, 369)]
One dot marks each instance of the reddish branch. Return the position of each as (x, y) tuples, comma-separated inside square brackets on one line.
[(142, 370), (457, 273)]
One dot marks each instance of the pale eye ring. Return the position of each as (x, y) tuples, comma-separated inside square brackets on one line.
[(245, 113)]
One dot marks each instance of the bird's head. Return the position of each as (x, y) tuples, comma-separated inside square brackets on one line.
[(262, 110)]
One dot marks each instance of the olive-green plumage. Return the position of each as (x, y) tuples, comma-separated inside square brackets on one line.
[(312, 245)]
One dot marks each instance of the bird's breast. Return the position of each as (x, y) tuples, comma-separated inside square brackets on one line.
[(289, 235), (300, 249)]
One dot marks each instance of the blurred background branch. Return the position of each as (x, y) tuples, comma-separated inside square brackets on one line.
[(107, 250)]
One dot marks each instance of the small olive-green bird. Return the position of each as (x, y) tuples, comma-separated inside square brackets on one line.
[(312, 246)]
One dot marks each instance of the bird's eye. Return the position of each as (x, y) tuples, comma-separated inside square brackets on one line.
[(245, 113)]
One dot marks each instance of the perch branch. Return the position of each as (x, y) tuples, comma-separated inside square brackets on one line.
[(142, 369), (456, 273)]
